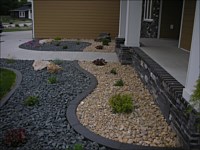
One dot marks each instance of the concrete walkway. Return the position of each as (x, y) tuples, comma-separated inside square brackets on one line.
[(9, 48)]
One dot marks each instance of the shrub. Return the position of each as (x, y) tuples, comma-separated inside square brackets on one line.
[(31, 101), (77, 43), (15, 137), (57, 61), (78, 147), (57, 38), (52, 80), (65, 47), (119, 83), (57, 44), (100, 62), (121, 103), (17, 25), (113, 71), (99, 47), (25, 25), (105, 41)]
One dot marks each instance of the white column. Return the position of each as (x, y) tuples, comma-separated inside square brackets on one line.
[(194, 62), (122, 18), (133, 23)]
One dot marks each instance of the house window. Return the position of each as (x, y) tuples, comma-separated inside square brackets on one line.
[(21, 14), (147, 11)]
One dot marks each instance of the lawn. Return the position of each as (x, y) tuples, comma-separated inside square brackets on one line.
[(7, 79)]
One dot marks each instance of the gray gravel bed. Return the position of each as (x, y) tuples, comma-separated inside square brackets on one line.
[(45, 123), (55, 46)]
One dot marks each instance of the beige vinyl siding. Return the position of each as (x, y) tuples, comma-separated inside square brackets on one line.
[(75, 18), (187, 25)]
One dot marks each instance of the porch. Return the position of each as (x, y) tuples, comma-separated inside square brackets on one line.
[(167, 54)]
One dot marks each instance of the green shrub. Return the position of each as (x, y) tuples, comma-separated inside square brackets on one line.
[(105, 41), (113, 71), (121, 103), (17, 25), (57, 44), (10, 61), (57, 61), (25, 25), (65, 47), (57, 38), (119, 83), (78, 147), (52, 80), (31, 101)]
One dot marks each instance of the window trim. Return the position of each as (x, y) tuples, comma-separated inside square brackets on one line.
[(22, 14)]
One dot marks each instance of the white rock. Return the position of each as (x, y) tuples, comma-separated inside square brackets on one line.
[(40, 64)]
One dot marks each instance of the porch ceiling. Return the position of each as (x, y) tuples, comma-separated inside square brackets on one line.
[(167, 54)]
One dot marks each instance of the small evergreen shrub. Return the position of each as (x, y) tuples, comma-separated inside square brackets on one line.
[(52, 80), (121, 103), (105, 41), (119, 82), (57, 38), (78, 147), (25, 25), (57, 61), (31, 101), (17, 25), (57, 44), (77, 43), (113, 71), (65, 47)]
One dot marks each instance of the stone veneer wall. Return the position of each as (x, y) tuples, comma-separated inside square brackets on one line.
[(150, 29), (167, 92)]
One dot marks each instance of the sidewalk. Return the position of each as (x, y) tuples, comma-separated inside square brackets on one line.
[(9, 48)]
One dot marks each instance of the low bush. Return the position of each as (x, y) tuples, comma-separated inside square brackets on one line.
[(77, 43), (57, 38), (57, 44), (57, 61), (113, 71), (31, 101), (25, 25), (99, 62), (105, 42), (17, 25), (119, 82), (65, 47), (52, 80), (15, 137), (121, 103)]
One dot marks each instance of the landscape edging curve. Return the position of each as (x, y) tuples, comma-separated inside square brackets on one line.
[(78, 127), (14, 87)]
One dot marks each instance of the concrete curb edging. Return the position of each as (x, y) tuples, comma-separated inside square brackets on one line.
[(14, 87), (78, 127)]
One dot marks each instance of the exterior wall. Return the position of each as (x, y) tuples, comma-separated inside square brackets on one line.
[(171, 15), (150, 29), (75, 18), (187, 24)]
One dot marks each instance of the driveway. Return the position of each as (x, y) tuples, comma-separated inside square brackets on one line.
[(10, 42)]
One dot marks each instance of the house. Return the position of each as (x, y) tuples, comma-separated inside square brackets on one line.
[(130, 20), (75, 18), (24, 12)]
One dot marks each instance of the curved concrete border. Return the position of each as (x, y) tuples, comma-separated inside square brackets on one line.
[(78, 127), (14, 87)]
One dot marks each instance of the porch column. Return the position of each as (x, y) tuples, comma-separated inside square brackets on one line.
[(122, 18), (133, 23), (194, 62)]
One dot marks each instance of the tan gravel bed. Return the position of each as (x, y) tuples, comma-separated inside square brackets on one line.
[(145, 126), (106, 49)]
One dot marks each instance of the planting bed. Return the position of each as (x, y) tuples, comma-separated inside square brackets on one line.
[(45, 122)]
